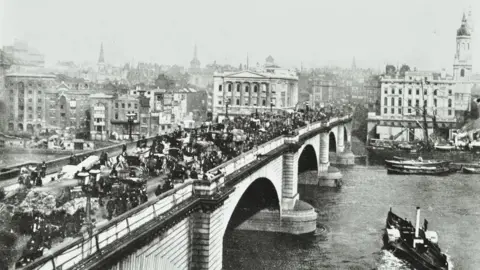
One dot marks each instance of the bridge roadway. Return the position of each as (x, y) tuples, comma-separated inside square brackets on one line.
[(131, 231)]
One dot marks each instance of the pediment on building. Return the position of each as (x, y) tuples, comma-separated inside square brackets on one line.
[(246, 74), (63, 86)]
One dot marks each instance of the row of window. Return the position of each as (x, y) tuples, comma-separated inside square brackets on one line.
[(409, 111), (247, 88), (417, 102), (128, 104), (417, 92), (254, 102), (30, 92)]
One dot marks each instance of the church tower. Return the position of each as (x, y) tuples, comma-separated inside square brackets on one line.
[(101, 60), (462, 65), (195, 63)]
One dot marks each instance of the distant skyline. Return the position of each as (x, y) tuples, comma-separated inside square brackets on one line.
[(313, 32)]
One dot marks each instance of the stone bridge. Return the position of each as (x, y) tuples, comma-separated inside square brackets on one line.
[(184, 228)]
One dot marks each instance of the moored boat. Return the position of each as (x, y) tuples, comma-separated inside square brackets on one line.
[(470, 170), (416, 162), (418, 246)]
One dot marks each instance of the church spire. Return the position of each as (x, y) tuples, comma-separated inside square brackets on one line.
[(354, 65), (101, 58)]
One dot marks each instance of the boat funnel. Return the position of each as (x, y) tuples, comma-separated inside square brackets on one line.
[(417, 223)]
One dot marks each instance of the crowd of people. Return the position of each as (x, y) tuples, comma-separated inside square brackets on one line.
[(183, 154)]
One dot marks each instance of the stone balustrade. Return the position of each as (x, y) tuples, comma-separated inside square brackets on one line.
[(83, 247)]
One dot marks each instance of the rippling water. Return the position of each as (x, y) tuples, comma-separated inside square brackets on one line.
[(12, 157), (351, 219)]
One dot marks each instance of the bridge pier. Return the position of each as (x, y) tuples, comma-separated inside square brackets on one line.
[(207, 239), (327, 175), (289, 181)]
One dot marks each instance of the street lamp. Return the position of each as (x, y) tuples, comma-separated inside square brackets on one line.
[(131, 117), (227, 102), (87, 182), (271, 106)]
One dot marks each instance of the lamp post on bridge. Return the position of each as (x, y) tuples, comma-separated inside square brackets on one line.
[(227, 102), (131, 117), (87, 181)]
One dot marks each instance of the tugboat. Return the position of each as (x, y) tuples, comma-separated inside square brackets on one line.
[(418, 246)]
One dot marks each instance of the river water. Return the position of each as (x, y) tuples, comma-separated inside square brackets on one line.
[(16, 156), (351, 219)]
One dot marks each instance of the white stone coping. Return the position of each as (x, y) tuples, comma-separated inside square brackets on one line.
[(82, 247)]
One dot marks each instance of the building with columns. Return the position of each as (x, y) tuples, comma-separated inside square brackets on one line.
[(247, 91)]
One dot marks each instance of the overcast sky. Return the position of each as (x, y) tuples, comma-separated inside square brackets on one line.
[(315, 32)]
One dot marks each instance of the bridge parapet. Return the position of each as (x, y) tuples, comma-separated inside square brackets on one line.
[(75, 253)]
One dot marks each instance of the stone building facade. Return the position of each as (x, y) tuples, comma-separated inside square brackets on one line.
[(250, 91)]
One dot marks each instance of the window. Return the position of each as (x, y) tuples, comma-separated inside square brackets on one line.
[(30, 116), (385, 101), (255, 89), (264, 102), (435, 92), (449, 112), (449, 103), (417, 103), (39, 100), (435, 102), (384, 110), (425, 92), (399, 111), (393, 111), (129, 105), (409, 110), (393, 91), (238, 87), (393, 102), (134, 92), (30, 100), (238, 101), (220, 88), (61, 106), (400, 91), (410, 91), (116, 116), (386, 90), (246, 89), (30, 92), (450, 92), (400, 102), (219, 102), (123, 105), (462, 73), (229, 87), (62, 114), (425, 103), (148, 93), (409, 103), (30, 108), (116, 105), (136, 106), (39, 108), (418, 92)]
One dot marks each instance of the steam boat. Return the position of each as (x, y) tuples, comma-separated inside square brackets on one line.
[(418, 246)]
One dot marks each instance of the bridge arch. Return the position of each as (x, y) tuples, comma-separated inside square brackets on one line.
[(332, 142), (260, 194), (308, 159)]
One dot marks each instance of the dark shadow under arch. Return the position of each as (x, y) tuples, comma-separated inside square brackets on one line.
[(261, 194), (307, 160), (332, 143)]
